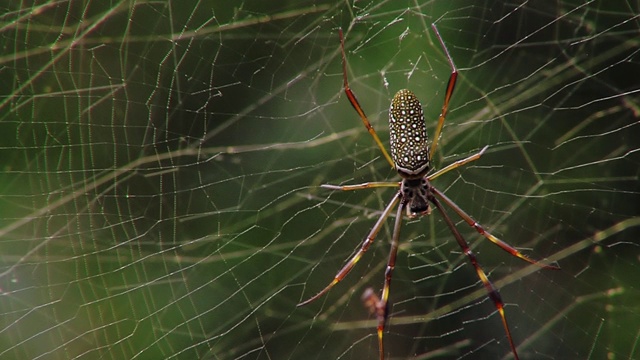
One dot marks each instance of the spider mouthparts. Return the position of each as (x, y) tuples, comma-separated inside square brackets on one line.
[(417, 211)]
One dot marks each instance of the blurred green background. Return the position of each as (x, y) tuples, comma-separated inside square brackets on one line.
[(161, 164)]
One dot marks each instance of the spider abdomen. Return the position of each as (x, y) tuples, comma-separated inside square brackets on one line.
[(408, 134)]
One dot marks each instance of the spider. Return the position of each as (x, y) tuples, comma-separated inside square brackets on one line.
[(411, 157)]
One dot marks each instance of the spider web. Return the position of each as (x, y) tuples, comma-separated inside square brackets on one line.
[(162, 161)]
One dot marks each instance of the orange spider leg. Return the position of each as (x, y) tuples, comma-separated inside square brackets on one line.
[(503, 245), (447, 97), (365, 246), (491, 290), (356, 105)]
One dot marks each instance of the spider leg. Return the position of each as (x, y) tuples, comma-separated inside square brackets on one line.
[(457, 164), (366, 185), (494, 295), (503, 245), (356, 105), (450, 86), (383, 305), (365, 246)]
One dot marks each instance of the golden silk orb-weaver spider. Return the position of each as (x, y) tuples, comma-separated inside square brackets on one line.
[(411, 157)]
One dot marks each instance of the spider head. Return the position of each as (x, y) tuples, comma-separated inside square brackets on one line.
[(415, 193)]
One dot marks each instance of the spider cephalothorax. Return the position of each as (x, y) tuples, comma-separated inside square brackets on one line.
[(415, 193)]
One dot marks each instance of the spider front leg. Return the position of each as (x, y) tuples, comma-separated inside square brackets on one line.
[(365, 246), (356, 105), (447, 97)]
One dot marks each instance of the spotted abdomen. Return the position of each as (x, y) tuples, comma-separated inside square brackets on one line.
[(408, 134)]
